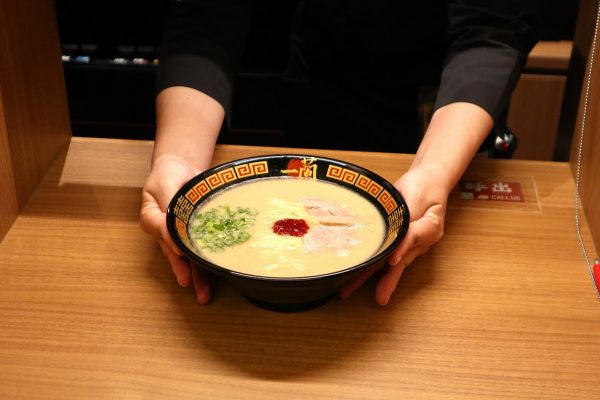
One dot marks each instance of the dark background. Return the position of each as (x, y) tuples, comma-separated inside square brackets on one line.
[(117, 100)]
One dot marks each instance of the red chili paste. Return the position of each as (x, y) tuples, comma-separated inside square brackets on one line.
[(290, 227)]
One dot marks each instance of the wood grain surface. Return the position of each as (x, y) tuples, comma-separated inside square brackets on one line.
[(34, 120), (501, 308)]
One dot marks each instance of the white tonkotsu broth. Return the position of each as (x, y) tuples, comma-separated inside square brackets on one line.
[(344, 228)]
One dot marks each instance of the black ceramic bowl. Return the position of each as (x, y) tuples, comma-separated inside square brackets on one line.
[(288, 294)]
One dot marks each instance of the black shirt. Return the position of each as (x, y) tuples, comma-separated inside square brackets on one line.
[(373, 54)]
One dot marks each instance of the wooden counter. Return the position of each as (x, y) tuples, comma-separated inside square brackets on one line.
[(501, 308)]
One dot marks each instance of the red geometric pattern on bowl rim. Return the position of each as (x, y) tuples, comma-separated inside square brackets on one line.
[(196, 193), (369, 186), (387, 201), (221, 178), (342, 174), (251, 169)]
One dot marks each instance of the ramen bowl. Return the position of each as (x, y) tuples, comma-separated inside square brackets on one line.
[(191, 223)]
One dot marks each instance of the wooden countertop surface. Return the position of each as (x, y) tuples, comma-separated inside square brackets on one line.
[(501, 308)]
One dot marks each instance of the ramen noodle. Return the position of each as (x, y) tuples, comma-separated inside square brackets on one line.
[(287, 227)]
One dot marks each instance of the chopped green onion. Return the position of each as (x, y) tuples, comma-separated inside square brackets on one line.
[(222, 227)]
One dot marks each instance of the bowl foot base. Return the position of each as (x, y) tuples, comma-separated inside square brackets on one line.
[(288, 308)]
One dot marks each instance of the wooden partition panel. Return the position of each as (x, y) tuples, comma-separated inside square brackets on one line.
[(34, 119), (590, 160), (9, 207), (534, 114)]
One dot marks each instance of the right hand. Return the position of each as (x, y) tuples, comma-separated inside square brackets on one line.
[(168, 174)]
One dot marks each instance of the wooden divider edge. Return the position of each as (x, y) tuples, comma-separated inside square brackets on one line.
[(590, 156), (9, 207), (34, 115)]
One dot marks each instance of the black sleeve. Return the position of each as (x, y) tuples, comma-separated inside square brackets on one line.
[(202, 45), (490, 41)]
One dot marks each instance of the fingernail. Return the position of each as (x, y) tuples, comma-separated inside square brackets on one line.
[(386, 300), (182, 282), (202, 293), (202, 298), (395, 260)]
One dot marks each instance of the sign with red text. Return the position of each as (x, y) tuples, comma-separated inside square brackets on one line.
[(491, 190)]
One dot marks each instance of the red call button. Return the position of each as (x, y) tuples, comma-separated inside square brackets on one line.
[(491, 190)]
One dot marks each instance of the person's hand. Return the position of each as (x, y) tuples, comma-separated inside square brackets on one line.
[(427, 207), (169, 173)]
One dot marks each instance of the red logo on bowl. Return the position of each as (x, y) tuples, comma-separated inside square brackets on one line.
[(302, 167)]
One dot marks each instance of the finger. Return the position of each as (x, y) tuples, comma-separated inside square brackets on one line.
[(421, 233), (179, 264), (201, 285), (389, 280), (166, 236), (388, 283), (410, 241), (150, 216), (153, 221)]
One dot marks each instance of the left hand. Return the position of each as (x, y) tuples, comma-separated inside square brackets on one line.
[(454, 134), (168, 174), (426, 203)]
